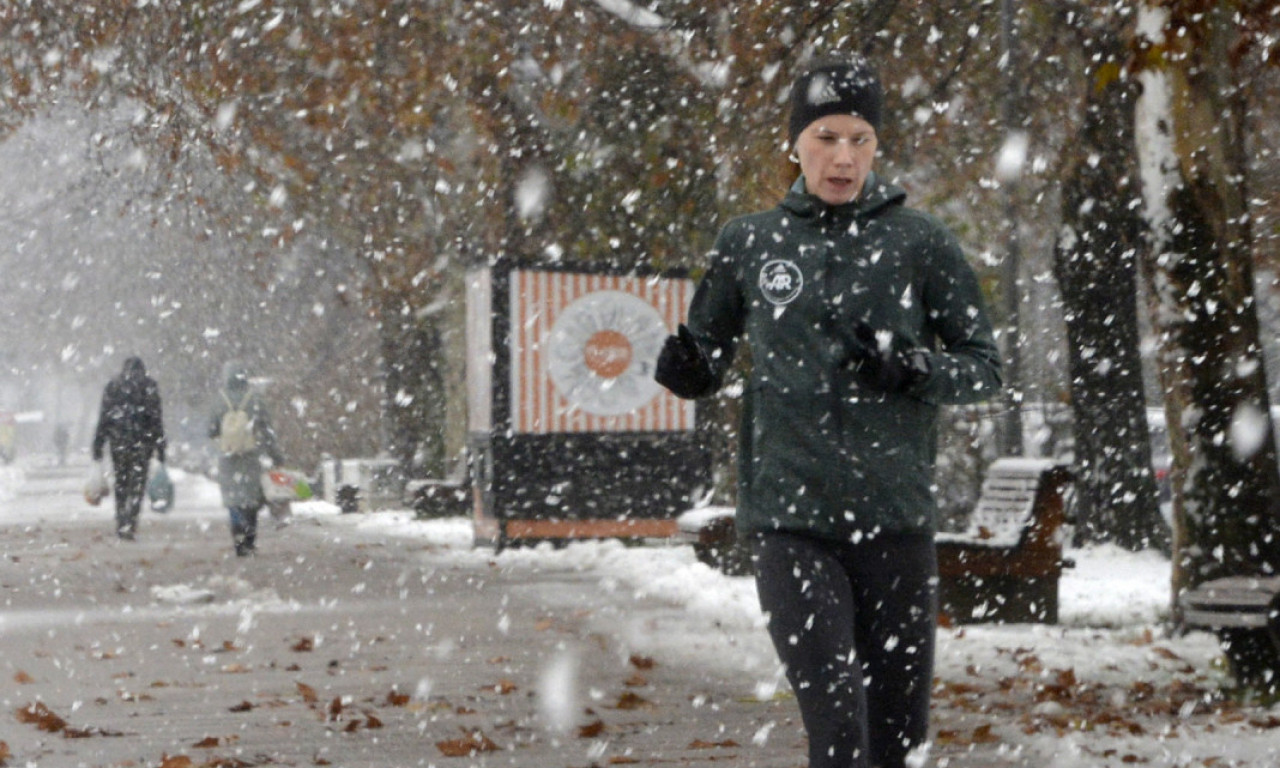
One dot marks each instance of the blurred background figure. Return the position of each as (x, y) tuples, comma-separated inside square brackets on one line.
[(8, 436), (240, 427), (131, 422), (61, 439)]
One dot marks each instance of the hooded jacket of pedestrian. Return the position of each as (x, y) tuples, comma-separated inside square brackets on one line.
[(130, 419), (240, 475), (820, 452)]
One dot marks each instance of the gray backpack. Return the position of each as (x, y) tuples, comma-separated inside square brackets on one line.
[(235, 431)]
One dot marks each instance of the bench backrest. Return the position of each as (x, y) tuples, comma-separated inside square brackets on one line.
[(1020, 497)]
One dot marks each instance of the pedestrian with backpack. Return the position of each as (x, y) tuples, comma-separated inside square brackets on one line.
[(130, 421), (240, 427)]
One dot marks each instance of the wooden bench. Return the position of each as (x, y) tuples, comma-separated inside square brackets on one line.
[(1244, 612), (714, 537), (438, 498), (1004, 567)]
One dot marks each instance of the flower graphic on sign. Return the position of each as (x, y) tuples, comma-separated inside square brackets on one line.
[(607, 354), (602, 350)]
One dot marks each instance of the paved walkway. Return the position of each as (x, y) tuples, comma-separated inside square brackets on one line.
[(332, 648)]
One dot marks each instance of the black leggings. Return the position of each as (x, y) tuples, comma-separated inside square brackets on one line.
[(874, 601)]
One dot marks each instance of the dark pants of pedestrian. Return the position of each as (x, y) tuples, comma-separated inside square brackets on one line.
[(244, 529), (854, 625), (130, 468)]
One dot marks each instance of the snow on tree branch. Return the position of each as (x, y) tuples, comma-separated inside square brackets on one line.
[(675, 43)]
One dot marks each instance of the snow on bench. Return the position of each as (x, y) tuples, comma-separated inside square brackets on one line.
[(1006, 507), (714, 537)]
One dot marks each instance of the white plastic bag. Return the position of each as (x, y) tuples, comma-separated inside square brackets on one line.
[(281, 512), (160, 490), (96, 487), (285, 485)]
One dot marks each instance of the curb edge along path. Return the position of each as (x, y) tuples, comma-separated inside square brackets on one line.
[(331, 648)]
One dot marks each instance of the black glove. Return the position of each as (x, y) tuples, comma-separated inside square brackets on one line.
[(683, 368), (894, 367)]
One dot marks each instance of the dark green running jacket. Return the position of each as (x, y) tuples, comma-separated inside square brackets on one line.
[(820, 452)]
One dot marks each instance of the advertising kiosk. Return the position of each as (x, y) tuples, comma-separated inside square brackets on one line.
[(568, 434)]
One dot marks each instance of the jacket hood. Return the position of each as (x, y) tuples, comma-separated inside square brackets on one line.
[(877, 195), (235, 377), (133, 369)]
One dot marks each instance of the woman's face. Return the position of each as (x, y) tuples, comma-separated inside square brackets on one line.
[(835, 154)]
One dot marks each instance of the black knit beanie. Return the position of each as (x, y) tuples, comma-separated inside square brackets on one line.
[(835, 86)]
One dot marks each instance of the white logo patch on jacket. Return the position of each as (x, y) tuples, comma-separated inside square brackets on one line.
[(781, 281)]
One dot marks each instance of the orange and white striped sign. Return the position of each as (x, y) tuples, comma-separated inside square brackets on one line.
[(583, 347)]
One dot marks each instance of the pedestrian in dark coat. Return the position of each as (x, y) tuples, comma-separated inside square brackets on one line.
[(240, 471), (132, 423), (862, 317)]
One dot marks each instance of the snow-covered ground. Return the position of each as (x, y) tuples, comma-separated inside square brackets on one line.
[(1107, 686)]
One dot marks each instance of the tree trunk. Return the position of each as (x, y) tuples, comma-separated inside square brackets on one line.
[(414, 391), (1096, 266), (1009, 428), (1226, 482)]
